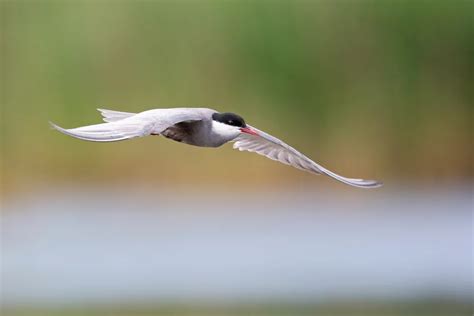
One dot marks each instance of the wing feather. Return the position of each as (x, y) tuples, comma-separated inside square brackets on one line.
[(124, 125), (109, 132), (271, 147)]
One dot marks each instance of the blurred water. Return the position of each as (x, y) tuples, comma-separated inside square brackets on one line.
[(78, 245)]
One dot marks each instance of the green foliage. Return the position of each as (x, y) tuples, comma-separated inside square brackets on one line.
[(382, 87)]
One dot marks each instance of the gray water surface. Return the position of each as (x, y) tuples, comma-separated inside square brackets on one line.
[(80, 246)]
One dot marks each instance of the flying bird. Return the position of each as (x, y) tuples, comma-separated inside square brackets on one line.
[(205, 128)]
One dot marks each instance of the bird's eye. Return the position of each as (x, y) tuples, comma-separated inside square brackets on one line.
[(230, 122)]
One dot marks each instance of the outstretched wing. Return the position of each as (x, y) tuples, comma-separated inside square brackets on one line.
[(133, 125), (109, 132), (273, 148)]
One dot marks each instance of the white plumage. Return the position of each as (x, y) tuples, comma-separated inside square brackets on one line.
[(112, 116), (202, 127)]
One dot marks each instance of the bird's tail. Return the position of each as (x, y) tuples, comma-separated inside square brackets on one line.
[(113, 116)]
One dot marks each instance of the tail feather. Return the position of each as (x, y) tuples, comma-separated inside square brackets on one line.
[(113, 116)]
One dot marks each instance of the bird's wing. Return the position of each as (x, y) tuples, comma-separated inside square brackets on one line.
[(273, 148), (135, 125)]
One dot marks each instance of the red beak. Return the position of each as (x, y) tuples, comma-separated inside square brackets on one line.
[(248, 130)]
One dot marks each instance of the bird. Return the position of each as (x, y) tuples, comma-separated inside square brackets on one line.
[(202, 127)]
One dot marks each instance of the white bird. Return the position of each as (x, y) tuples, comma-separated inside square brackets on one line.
[(205, 128)]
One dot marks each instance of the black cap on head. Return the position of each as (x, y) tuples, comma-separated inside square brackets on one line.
[(229, 119)]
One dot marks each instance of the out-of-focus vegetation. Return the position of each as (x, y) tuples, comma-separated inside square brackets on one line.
[(373, 89), (380, 89)]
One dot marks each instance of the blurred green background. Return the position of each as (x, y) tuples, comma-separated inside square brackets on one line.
[(371, 89), (375, 89)]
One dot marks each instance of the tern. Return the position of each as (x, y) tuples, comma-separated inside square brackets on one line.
[(205, 128)]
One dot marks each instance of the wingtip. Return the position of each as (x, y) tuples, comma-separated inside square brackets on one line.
[(52, 125), (376, 185), (373, 184), (55, 127)]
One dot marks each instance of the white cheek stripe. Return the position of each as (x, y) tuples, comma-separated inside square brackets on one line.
[(225, 130)]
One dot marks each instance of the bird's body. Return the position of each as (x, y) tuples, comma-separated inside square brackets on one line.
[(201, 127), (194, 126)]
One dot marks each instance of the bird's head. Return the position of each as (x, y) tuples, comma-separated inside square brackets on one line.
[(230, 124)]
